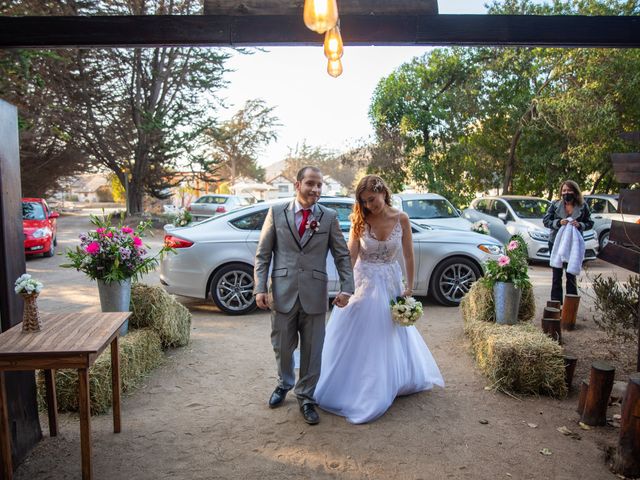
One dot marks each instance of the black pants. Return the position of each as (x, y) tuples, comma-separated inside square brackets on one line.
[(556, 283)]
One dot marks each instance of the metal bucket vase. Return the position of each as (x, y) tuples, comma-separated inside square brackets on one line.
[(116, 297), (506, 299)]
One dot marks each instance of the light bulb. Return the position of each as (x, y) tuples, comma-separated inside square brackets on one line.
[(334, 68), (333, 48), (320, 15)]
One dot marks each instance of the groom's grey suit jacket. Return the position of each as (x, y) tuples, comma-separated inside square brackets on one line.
[(299, 264)]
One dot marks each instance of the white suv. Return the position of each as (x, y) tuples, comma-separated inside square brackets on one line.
[(604, 209), (511, 215), (430, 209)]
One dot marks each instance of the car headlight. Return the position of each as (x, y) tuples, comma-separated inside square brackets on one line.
[(41, 232), (491, 249), (590, 235), (539, 235)]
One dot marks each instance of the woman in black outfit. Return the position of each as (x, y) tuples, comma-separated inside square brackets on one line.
[(571, 204)]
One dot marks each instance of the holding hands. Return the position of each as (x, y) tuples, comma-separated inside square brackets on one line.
[(341, 300)]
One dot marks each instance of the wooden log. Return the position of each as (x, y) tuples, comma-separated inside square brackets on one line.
[(569, 369), (600, 386), (627, 457), (551, 326), (551, 312), (570, 311), (584, 389), (554, 304)]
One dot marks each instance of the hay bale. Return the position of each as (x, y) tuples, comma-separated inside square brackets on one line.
[(516, 358), (478, 303), (140, 352), (153, 307)]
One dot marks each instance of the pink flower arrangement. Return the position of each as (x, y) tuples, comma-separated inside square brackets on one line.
[(509, 268), (513, 244), (504, 260)]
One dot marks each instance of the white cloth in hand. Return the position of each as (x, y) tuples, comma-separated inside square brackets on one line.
[(568, 247)]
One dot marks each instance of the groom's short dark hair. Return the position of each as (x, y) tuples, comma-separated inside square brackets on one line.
[(303, 171)]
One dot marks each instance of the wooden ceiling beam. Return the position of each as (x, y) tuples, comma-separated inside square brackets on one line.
[(345, 7), (434, 30)]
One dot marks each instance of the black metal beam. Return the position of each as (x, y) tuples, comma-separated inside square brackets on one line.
[(467, 30)]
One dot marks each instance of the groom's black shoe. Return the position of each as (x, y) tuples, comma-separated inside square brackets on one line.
[(277, 397), (309, 413)]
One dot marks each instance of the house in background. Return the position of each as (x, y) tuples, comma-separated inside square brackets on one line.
[(86, 188), (282, 188)]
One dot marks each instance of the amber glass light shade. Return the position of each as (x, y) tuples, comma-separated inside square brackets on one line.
[(334, 68), (320, 15), (333, 47)]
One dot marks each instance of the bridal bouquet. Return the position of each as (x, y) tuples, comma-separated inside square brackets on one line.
[(405, 311)]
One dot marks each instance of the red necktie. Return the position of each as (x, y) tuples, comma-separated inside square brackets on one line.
[(303, 224)]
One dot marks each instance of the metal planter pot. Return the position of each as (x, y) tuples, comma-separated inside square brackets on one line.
[(116, 297), (506, 299)]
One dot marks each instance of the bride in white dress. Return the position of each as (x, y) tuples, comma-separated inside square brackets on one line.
[(367, 359)]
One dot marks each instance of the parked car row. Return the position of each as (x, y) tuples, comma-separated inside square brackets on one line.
[(216, 257)]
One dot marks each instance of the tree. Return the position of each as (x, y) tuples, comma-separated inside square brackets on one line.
[(236, 143)]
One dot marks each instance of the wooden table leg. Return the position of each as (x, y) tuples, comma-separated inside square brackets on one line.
[(85, 423), (5, 434), (115, 384), (52, 401)]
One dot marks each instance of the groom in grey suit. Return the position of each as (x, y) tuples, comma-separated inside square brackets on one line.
[(298, 236)]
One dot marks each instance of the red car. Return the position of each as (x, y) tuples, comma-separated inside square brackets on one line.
[(39, 225)]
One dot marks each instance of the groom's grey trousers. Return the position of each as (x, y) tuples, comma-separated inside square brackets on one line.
[(284, 338)]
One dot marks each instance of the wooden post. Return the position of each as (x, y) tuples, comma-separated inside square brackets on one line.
[(570, 311), (551, 326), (584, 389), (52, 401), (554, 304), (627, 458), (569, 369), (115, 384), (85, 424), (551, 312), (600, 386)]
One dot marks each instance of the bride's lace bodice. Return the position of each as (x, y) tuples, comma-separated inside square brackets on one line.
[(373, 250)]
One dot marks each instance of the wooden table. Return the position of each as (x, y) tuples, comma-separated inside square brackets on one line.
[(67, 340)]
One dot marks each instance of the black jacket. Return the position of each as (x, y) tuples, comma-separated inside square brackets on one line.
[(556, 212)]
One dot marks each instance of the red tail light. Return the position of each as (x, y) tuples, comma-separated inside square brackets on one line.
[(221, 210), (176, 242)]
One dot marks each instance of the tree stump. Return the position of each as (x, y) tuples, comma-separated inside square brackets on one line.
[(600, 385), (551, 312), (584, 388), (570, 311), (569, 369), (627, 457), (551, 326), (554, 304)]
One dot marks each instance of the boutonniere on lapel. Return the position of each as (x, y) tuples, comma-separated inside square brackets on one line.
[(313, 225)]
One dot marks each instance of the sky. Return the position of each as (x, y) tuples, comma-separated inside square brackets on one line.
[(326, 112)]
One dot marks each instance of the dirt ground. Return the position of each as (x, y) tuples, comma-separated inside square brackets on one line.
[(203, 414)]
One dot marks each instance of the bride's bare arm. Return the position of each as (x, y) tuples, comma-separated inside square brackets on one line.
[(354, 248), (407, 251)]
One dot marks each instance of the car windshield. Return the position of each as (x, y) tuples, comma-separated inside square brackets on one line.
[(32, 211), (423, 209), (530, 208), (210, 199)]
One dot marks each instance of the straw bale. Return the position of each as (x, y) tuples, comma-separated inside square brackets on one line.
[(153, 307), (140, 352), (478, 303)]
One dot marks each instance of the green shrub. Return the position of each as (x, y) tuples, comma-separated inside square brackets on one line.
[(616, 306)]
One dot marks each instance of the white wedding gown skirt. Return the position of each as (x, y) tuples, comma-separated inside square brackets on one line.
[(368, 360)]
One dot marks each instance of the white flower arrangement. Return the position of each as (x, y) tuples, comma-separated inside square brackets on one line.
[(481, 226), (405, 311), (26, 285), (182, 218)]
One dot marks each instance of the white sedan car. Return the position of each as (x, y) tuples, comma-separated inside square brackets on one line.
[(215, 258), (430, 209)]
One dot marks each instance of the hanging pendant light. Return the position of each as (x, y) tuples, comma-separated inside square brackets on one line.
[(333, 47), (320, 15), (334, 68)]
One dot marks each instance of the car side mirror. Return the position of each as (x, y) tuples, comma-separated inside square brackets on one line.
[(503, 217), (54, 215)]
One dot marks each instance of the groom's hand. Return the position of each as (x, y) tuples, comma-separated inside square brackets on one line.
[(341, 300), (261, 301)]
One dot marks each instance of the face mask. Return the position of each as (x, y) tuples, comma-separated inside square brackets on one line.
[(568, 197)]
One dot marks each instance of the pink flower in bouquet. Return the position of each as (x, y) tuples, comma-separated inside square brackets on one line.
[(137, 241), (100, 231), (503, 260), (513, 244), (126, 230), (93, 248), (109, 234)]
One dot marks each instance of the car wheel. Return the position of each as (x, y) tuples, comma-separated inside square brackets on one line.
[(604, 239), (232, 289), (452, 279), (55, 241), (52, 250)]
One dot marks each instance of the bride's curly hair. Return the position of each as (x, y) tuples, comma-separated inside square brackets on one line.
[(372, 183)]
